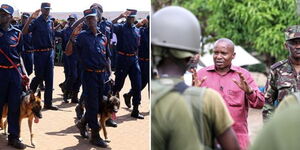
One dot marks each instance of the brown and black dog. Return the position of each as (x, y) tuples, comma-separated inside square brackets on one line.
[(30, 108), (109, 107)]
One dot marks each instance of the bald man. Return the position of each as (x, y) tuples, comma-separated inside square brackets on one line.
[(235, 84)]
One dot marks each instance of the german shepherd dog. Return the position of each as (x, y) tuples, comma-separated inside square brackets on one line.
[(30, 108), (108, 107)]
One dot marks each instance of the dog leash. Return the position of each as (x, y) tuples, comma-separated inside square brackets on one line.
[(15, 66)]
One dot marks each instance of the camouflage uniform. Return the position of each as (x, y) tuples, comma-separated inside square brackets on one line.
[(283, 78)]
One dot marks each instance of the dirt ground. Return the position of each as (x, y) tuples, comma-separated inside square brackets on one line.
[(56, 130)]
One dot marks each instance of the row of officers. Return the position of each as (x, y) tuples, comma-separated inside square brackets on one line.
[(87, 62)]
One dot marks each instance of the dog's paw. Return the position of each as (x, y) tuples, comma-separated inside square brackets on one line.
[(32, 144)]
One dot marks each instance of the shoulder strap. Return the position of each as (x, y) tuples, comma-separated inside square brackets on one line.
[(12, 63), (193, 96)]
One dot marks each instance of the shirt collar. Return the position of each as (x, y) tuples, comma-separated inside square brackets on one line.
[(213, 68), (11, 27)]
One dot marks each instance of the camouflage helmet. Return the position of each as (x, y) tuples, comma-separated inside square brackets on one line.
[(176, 28), (292, 32)]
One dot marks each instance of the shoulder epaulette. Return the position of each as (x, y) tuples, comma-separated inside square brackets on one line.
[(280, 63)]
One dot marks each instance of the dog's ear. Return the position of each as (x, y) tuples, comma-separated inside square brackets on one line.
[(39, 94), (32, 98)]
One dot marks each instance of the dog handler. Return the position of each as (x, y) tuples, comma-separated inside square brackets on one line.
[(11, 81), (90, 45)]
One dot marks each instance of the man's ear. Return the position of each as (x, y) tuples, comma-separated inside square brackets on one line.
[(233, 55)]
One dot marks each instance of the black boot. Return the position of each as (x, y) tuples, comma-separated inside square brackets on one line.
[(111, 123), (74, 98), (16, 143), (96, 139), (66, 96), (136, 114), (62, 87), (79, 111), (127, 99), (81, 125)]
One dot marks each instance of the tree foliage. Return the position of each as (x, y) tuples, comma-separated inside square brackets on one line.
[(256, 25)]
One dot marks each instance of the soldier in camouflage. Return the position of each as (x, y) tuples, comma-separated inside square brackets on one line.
[(284, 77)]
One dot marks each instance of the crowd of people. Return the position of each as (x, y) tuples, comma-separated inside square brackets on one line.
[(213, 112), (89, 48)]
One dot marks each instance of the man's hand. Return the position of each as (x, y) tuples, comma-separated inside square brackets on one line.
[(243, 84), (125, 14), (25, 80), (35, 14), (196, 81)]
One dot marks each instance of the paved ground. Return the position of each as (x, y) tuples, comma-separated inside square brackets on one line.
[(56, 131)]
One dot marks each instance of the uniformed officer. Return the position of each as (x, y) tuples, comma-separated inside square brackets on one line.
[(127, 60), (42, 41), (284, 77), (143, 55), (10, 74), (27, 54), (280, 132), (176, 109), (71, 64), (90, 45), (105, 27)]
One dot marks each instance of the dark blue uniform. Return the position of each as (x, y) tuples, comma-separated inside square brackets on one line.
[(27, 54), (143, 54), (42, 40), (92, 56), (71, 64), (10, 84), (127, 60)]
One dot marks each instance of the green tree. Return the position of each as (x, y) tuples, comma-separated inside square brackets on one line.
[(256, 25)]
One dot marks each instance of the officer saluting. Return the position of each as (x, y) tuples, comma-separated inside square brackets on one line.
[(42, 41), (127, 60), (90, 45), (10, 74)]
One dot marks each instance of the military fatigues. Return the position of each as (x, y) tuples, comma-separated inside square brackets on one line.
[(216, 118), (42, 41), (127, 60), (92, 56), (281, 132), (282, 81), (27, 54), (10, 85), (172, 125)]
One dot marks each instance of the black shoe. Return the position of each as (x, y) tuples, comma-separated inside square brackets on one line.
[(16, 143), (127, 99), (136, 114), (79, 111), (65, 97), (62, 87), (81, 125), (97, 140), (111, 123), (74, 98), (51, 107)]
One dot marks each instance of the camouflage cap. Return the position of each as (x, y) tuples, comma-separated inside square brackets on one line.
[(292, 32)]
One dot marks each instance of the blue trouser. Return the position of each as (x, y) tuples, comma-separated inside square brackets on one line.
[(93, 85), (73, 80), (66, 66), (107, 85), (43, 67), (28, 62), (144, 65), (128, 65), (10, 92)]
